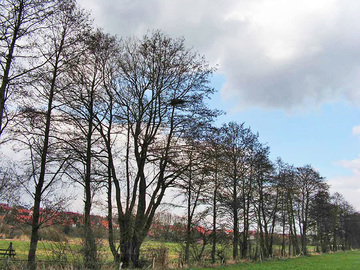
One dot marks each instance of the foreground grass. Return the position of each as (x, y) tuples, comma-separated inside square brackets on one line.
[(349, 260), (71, 252), (46, 250)]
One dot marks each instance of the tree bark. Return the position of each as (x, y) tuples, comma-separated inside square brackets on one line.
[(189, 215), (110, 217), (214, 202), (235, 222), (90, 252)]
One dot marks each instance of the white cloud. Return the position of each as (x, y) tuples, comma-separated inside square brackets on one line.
[(348, 186), (273, 53), (356, 130)]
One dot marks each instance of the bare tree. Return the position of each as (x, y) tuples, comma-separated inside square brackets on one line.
[(38, 127), (266, 197), (161, 90), (107, 125), (337, 200), (192, 185), (283, 177), (10, 184), (214, 152), (309, 182), (84, 111), (20, 20), (236, 192)]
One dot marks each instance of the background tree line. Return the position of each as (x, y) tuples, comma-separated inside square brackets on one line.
[(129, 117), (264, 204)]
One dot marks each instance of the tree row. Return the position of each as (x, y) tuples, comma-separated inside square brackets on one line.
[(129, 117)]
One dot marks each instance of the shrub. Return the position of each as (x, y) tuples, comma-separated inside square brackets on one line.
[(52, 234)]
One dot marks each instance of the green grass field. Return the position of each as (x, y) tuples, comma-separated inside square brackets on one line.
[(71, 252), (349, 260)]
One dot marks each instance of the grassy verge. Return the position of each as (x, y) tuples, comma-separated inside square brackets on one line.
[(45, 250), (349, 260), (71, 252)]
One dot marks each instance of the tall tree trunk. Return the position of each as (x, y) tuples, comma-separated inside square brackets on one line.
[(303, 239), (126, 238), (273, 223), (245, 243), (135, 256), (283, 251), (111, 178), (39, 187), (335, 244), (292, 223), (90, 252), (189, 216), (34, 231), (261, 217), (131, 239), (187, 244), (110, 216), (236, 220), (261, 236), (40, 184), (111, 175), (304, 227), (213, 248)]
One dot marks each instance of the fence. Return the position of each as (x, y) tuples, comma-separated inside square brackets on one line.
[(7, 254)]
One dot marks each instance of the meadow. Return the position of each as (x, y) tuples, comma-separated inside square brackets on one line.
[(348, 260), (70, 252)]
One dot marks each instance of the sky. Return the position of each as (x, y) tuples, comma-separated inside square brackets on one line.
[(289, 69)]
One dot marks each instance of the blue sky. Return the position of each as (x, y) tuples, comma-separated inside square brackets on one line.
[(289, 69), (320, 136), (323, 137)]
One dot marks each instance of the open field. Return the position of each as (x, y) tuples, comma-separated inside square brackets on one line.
[(45, 251), (349, 260), (71, 252)]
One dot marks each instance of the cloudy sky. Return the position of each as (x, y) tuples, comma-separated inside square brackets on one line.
[(289, 69)]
